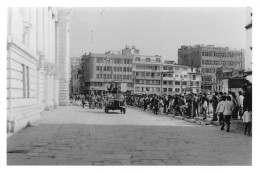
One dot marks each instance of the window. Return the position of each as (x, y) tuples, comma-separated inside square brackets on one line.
[(147, 74), (197, 83), (193, 77), (24, 82), (177, 89), (147, 59), (184, 83), (176, 68), (27, 82), (164, 89), (158, 60), (165, 68), (177, 83), (164, 82), (185, 76), (169, 89), (137, 58), (97, 76), (176, 75)]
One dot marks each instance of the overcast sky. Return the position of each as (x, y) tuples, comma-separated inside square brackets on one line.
[(154, 31)]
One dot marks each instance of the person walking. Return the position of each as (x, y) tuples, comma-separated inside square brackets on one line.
[(83, 102), (220, 110), (214, 105), (204, 107), (161, 106), (240, 100), (247, 119), (155, 105), (228, 110)]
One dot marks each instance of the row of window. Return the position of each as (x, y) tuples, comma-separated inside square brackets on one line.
[(176, 90), (109, 68), (175, 68), (147, 89), (147, 67), (176, 75), (147, 74), (183, 83), (148, 82), (207, 78), (115, 76), (100, 84), (147, 59), (208, 70), (114, 61), (222, 54), (214, 62)]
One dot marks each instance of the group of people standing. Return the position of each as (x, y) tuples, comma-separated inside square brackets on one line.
[(92, 100), (189, 105), (226, 106)]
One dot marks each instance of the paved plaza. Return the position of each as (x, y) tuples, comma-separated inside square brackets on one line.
[(74, 136)]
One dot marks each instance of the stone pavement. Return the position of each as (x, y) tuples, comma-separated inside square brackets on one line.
[(75, 136)]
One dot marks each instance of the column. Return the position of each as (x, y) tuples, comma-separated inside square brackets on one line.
[(63, 61)]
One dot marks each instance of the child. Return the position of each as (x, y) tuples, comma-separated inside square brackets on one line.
[(247, 119)]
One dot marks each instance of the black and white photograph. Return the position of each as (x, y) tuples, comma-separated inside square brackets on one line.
[(129, 85)]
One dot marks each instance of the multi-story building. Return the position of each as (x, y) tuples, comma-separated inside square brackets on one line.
[(76, 75), (208, 58), (35, 62), (99, 70), (147, 74), (180, 79)]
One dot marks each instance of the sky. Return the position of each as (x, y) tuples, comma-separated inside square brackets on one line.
[(155, 31)]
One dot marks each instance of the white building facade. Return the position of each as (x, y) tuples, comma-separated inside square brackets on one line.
[(147, 74), (33, 54), (180, 78)]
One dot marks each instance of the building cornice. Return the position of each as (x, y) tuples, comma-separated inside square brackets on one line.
[(12, 41)]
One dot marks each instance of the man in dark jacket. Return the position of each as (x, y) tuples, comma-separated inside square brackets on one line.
[(214, 105)]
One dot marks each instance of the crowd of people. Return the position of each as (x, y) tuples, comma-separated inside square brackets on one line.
[(226, 106), (91, 100)]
